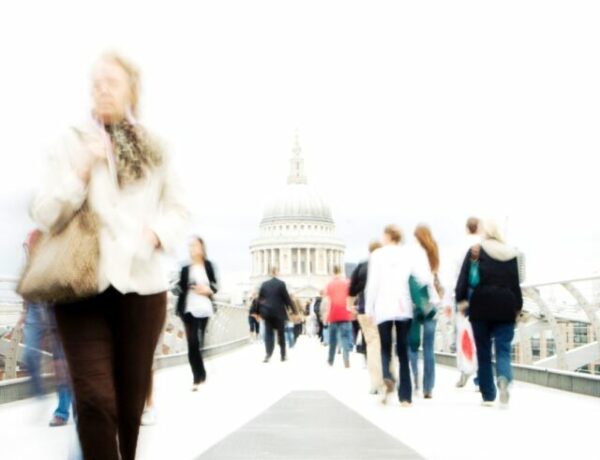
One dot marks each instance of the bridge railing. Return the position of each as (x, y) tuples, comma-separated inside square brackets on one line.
[(560, 329), (227, 329)]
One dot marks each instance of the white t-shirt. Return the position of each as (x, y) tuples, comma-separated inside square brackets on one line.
[(199, 306)]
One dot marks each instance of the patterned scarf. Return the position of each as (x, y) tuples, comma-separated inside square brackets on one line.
[(135, 151)]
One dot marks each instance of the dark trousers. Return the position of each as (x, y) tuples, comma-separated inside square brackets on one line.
[(194, 332), (362, 347), (355, 331), (270, 325), (321, 327), (385, 334), (254, 326), (297, 331), (109, 342)]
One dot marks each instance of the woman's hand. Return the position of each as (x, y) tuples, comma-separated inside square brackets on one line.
[(96, 151), (152, 238), (21, 321)]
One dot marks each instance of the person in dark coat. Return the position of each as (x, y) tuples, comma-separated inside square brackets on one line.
[(372, 346), (494, 304), (274, 301), (197, 286), (317, 312), (253, 317)]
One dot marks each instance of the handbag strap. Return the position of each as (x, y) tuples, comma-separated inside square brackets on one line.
[(437, 284)]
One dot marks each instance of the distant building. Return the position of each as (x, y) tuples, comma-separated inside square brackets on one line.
[(298, 235)]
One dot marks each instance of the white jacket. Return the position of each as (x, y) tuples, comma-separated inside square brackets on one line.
[(387, 292), (128, 261)]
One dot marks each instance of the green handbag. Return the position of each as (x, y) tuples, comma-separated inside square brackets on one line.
[(420, 299)]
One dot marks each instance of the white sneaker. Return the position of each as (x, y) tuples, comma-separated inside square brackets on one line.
[(464, 378), (487, 403), (149, 417), (504, 394)]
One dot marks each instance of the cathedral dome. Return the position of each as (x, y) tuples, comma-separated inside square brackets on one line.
[(298, 236), (297, 202)]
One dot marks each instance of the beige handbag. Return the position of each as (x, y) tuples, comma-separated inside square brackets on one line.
[(63, 265)]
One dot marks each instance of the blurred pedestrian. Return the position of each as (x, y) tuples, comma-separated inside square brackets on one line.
[(298, 318), (388, 303), (340, 317), (253, 317), (274, 303), (426, 263), (317, 307), (369, 331), (39, 330), (494, 304), (197, 285), (113, 169), (466, 358)]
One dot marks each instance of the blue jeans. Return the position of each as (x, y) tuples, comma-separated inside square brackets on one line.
[(65, 397), (502, 334), (36, 326), (289, 334), (385, 335), (343, 332), (254, 326), (39, 324), (428, 357)]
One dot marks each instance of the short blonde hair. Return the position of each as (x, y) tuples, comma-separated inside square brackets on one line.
[(374, 245), (133, 73), (394, 232)]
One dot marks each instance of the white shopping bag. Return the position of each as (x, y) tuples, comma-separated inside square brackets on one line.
[(466, 355)]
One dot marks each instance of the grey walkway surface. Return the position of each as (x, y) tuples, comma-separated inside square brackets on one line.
[(207, 424), (309, 425)]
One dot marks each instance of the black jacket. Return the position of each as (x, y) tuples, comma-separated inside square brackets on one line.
[(273, 299), (358, 280), (498, 296), (184, 281), (358, 284)]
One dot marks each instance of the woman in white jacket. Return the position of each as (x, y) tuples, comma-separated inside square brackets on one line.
[(112, 164), (388, 303)]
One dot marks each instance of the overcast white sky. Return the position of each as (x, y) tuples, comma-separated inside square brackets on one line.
[(407, 112)]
